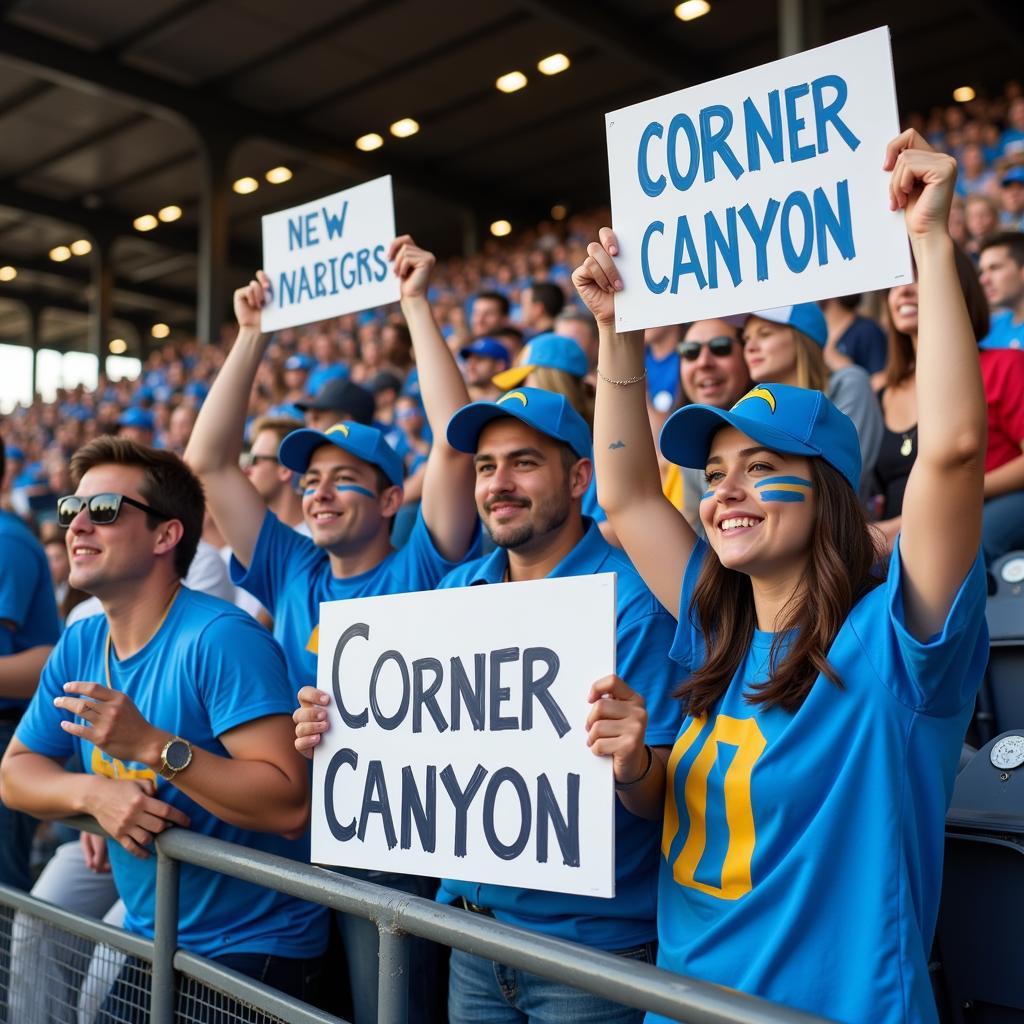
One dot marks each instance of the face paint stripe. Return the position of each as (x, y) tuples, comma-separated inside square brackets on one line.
[(706, 495), (781, 495), (774, 480), (341, 488)]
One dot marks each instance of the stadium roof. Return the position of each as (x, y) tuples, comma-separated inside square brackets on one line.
[(122, 108)]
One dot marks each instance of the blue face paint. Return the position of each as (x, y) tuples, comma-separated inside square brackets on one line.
[(783, 488), (706, 495), (341, 488)]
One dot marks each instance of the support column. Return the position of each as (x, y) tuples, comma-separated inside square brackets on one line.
[(214, 193), (801, 25), (101, 304), (34, 315), (470, 236)]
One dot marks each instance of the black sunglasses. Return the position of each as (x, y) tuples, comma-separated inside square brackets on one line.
[(690, 350), (103, 508)]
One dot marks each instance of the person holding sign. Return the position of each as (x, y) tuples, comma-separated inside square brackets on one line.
[(532, 452), (803, 801)]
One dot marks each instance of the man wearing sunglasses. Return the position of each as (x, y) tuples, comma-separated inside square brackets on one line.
[(179, 705)]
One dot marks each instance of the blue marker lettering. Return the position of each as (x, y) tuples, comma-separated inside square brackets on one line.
[(645, 263), (651, 186), (797, 260)]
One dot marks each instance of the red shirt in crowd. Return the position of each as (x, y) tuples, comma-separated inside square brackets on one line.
[(1002, 374)]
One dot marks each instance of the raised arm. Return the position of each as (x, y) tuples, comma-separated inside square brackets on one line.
[(656, 537), (448, 507), (217, 437), (941, 528)]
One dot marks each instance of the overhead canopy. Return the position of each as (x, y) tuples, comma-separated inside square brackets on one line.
[(114, 110)]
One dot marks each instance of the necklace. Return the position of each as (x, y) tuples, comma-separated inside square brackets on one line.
[(108, 644)]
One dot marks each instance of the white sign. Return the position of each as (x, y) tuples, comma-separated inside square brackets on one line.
[(758, 190), (457, 745), (329, 257)]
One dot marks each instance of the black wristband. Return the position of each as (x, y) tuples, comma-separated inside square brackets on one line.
[(643, 775)]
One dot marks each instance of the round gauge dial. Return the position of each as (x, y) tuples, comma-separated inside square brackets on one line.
[(1008, 753), (1013, 570)]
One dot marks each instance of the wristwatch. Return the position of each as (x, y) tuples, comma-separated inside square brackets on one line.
[(175, 757)]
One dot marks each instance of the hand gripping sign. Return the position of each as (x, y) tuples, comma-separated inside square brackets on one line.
[(457, 745), (758, 190)]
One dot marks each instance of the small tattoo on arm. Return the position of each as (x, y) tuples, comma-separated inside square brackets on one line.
[(617, 444)]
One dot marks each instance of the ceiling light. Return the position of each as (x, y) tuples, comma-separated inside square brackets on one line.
[(278, 175), (8, 273), (559, 212), (369, 142), (159, 330), (60, 254), (553, 65), (690, 9), (501, 228), (169, 213), (145, 223), (512, 82), (964, 94), (118, 346), (405, 127), (243, 186), (81, 247)]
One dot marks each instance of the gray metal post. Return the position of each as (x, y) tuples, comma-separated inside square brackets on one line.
[(165, 939), (35, 316), (470, 234), (214, 194), (102, 301), (392, 976), (801, 25)]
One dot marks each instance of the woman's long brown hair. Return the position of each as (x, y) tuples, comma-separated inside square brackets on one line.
[(843, 565)]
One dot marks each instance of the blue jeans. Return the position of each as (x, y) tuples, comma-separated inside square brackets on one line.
[(483, 992), (1002, 526), (426, 959)]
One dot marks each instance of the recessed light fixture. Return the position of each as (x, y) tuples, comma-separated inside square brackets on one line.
[(553, 65), (404, 127), (60, 254), (512, 82), (964, 94), (243, 186), (370, 142), (118, 346), (278, 175), (501, 228), (8, 273), (81, 247), (688, 10), (159, 330), (145, 223), (169, 213)]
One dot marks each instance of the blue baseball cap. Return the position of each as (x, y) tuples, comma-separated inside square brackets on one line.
[(551, 350), (796, 421), (1012, 174), (366, 443), (806, 317), (545, 411), (489, 348), (299, 362), (135, 417)]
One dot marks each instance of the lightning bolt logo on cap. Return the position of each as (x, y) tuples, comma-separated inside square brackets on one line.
[(338, 428), (511, 395), (763, 393)]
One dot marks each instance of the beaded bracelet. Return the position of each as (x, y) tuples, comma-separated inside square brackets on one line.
[(623, 383)]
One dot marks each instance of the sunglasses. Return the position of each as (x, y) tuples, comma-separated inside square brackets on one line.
[(247, 459), (103, 508), (690, 350)]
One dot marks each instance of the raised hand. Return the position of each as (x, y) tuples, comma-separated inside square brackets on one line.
[(616, 727), (597, 278), (250, 300), (116, 725), (922, 184), (412, 266), (310, 719)]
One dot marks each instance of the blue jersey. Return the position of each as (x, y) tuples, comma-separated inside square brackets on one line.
[(28, 609), (1003, 332), (590, 506), (289, 575), (209, 669), (802, 852), (643, 635), (663, 381)]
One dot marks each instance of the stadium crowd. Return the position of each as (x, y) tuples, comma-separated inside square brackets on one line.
[(225, 466)]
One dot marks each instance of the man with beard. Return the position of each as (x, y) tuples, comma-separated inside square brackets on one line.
[(532, 454)]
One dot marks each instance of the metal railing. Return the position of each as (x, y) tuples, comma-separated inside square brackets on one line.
[(397, 916)]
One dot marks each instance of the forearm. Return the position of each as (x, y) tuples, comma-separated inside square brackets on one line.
[(218, 434), (1005, 479), (39, 786), (647, 798), (951, 410), (19, 673), (625, 459)]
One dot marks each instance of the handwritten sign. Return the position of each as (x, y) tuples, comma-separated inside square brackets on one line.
[(758, 190), (329, 257), (457, 741)]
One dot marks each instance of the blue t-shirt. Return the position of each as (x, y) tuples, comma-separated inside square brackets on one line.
[(289, 575), (209, 669), (26, 594), (802, 852), (643, 635), (865, 343), (1003, 332), (589, 506), (663, 382)]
